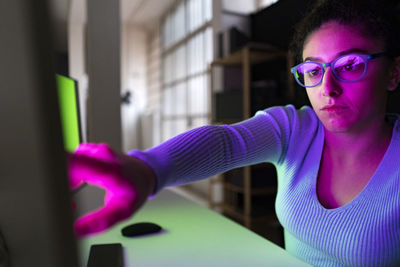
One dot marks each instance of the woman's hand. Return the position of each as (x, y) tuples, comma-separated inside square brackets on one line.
[(128, 183)]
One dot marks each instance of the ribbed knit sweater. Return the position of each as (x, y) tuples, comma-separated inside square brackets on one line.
[(364, 232)]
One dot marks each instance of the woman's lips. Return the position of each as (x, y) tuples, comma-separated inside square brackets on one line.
[(334, 108)]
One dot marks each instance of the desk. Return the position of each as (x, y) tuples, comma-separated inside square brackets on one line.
[(193, 236)]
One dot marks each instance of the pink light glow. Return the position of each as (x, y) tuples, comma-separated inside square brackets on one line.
[(98, 165)]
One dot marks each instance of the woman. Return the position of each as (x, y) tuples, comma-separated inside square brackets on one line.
[(338, 165)]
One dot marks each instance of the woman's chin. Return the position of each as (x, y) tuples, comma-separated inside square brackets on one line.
[(336, 126)]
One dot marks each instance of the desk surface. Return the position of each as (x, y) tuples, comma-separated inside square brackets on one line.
[(193, 236)]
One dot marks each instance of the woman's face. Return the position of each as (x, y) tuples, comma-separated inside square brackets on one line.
[(343, 106)]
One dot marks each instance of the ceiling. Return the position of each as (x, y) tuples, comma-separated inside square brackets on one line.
[(144, 13)]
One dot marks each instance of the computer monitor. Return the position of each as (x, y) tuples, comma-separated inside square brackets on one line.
[(68, 99), (89, 198), (36, 221)]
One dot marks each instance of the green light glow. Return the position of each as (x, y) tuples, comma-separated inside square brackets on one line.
[(69, 112)]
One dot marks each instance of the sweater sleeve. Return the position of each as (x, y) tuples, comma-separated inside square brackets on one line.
[(209, 150)]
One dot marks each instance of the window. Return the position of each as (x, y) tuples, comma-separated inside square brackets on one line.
[(265, 3), (187, 52)]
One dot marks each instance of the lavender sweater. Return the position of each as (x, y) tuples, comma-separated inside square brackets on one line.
[(364, 232)]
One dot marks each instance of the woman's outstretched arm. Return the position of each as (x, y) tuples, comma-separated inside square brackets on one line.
[(196, 154)]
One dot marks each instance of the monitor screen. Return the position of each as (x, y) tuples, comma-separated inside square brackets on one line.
[(69, 111)]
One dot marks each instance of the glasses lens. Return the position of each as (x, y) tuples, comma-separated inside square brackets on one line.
[(350, 67), (309, 73)]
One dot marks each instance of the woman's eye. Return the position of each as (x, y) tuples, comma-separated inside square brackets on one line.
[(348, 67), (313, 72), (344, 67), (349, 64)]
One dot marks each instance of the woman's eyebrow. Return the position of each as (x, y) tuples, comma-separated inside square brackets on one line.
[(345, 52)]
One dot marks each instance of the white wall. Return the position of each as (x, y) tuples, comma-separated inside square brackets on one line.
[(134, 64), (154, 91), (154, 70), (76, 21), (76, 47)]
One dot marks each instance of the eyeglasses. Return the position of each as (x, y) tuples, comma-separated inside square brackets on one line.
[(346, 68)]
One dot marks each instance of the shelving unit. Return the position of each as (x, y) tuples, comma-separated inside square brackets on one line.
[(241, 187)]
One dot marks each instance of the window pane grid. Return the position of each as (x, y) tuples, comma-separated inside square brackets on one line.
[(172, 128), (187, 17), (180, 59), (189, 59), (180, 99), (179, 22), (208, 46), (167, 69), (167, 100), (197, 122), (207, 10), (198, 95), (195, 14), (185, 74)]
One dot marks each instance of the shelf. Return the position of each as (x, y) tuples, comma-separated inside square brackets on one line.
[(249, 192), (258, 54), (227, 121), (262, 178), (262, 165), (231, 211), (254, 191)]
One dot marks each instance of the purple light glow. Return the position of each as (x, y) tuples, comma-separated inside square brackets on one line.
[(98, 165)]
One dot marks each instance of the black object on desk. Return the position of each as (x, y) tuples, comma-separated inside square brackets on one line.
[(139, 229), (106, 255)]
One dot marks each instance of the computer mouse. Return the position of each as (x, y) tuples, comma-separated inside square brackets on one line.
[(139, 229)]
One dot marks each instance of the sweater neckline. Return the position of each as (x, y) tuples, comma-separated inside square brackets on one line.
[(364, 192)]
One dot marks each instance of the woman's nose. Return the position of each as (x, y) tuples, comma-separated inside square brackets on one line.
[(330, 86)]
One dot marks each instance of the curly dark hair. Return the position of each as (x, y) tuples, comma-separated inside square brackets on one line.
[(377, 18)]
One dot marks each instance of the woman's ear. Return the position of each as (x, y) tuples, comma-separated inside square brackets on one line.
[(395, 75)]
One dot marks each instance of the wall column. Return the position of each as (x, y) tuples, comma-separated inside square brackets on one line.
[(104, 72)]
